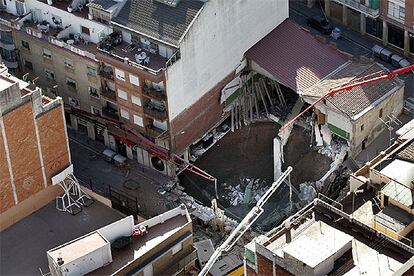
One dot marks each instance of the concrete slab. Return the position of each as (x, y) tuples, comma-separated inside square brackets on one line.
[(24, 245)]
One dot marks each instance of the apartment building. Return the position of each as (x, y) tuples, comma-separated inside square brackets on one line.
[(165, 63), (162, 245), (388, 21), (8, 51), (322, 239), (56, 44), (33, 148), (391, 173)]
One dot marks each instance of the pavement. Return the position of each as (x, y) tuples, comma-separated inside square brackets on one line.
[(24, 245), (94, 172), (351, 42)]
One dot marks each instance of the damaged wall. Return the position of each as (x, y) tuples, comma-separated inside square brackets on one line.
[(210, 53)]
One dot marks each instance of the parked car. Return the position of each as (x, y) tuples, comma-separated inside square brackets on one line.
[(321, 24)]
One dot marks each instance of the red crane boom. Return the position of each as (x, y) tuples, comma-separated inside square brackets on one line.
[(378, 76)]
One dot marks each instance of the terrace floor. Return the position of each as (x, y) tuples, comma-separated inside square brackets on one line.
[(141, 245), (123, 50), (23, 246)]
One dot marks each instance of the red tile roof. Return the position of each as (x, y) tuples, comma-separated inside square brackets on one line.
[(356, 100), (294, 57)]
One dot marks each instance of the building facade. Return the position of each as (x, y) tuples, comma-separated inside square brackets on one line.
[(33, 148), (390, 22), (141, 76)]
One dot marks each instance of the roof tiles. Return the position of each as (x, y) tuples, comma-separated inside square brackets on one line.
[(294, 57), (158, 20)]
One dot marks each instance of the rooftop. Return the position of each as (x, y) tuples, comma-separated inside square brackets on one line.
[(394, 218), (322, 233), (79, 10), (157, 20), (298, 67), (106, 5), (360, 98), (46, 229), (158, 231)]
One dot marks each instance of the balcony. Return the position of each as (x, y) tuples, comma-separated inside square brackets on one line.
[(153, 131), (106, 72), (108, 94), (110, 113), (356, 5), (154, 93), (155, 113)]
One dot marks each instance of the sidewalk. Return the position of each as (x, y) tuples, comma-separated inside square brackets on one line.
[(94, 172)]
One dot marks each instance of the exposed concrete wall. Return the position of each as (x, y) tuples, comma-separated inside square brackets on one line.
[(215, 45)]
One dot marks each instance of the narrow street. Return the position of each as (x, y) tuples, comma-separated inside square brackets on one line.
[(94, 172)]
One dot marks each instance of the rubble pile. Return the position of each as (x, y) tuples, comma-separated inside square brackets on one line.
[(307, 192), (249, 191)]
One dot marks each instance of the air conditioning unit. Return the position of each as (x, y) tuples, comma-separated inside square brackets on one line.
[(73, 102)]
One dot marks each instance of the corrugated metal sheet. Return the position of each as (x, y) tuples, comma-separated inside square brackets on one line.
[(294, 57)]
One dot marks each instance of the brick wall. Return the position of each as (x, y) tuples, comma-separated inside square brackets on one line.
[(409, 13), (25, 151), (193, 122), (53, 142), (265, 267)]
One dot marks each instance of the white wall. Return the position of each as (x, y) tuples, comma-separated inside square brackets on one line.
[(215, 45), (339, 120), (120, 228)]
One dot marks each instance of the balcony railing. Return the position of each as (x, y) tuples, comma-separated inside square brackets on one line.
[(155, 113), (356, 5), (153, 131), (110, 113), (153, 93), (109, 94)]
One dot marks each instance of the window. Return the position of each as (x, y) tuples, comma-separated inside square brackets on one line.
[(396, 10), (25, 44), (47, 54), (120, 75), (50, 75), (374, 27), (177, 248), (28, 65), (20, 8), (134, 80), (73, 102), (122, 94), (93, 92), (396, 36), (91, 71), (124, 114), (138, 120), (85, 30), (380, 113), (71, 83), (136, 100), (362, 127), (95, 111), (69, 63)]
